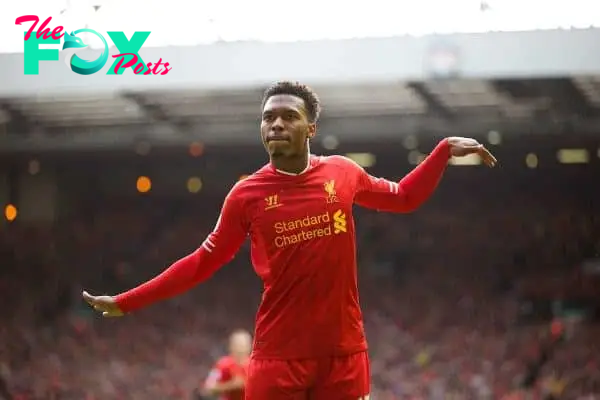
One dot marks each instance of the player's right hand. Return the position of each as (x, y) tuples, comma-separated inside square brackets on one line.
[(107, 305)]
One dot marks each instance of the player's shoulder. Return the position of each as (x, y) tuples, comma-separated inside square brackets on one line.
[(339, 161)]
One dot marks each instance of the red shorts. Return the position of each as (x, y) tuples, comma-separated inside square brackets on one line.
[(332, 378)]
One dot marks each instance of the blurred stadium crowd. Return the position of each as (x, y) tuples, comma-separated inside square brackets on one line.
[(455, 296)]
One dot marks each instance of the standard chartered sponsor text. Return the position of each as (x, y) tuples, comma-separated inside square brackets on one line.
[(302, 229)]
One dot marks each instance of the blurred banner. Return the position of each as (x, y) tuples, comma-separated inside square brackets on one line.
[(222, 65)]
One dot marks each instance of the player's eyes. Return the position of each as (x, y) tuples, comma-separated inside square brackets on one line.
[(285, 117)]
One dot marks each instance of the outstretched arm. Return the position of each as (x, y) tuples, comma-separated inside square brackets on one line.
[(416, 187), (408, 194), (218, 248)]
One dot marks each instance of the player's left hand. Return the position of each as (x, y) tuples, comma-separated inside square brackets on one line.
[(460, 147), (107, 305)]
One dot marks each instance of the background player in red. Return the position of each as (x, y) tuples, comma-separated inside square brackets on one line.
[(227, 378), (297, 211)]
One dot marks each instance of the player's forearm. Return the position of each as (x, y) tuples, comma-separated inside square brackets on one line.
[(421, 182), (178, 278)]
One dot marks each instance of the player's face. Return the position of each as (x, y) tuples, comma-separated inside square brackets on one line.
[(285, 127), (241, 343)]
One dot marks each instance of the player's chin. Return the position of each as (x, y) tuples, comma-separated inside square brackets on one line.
[(277, 153), (278, 149)]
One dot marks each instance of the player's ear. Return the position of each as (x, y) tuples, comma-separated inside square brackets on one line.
[(312, 130)]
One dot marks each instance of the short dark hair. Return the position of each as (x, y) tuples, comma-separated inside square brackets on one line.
[(311, 100)]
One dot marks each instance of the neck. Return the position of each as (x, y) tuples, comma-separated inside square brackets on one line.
[(292, 165)]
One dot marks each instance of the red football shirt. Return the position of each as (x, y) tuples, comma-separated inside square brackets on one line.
[(224, 371), (302, 246)]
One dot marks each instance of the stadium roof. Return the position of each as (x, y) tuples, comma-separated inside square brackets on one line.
[(449, 106), (450, 99)]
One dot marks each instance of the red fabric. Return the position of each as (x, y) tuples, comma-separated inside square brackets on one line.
[(346, 377)]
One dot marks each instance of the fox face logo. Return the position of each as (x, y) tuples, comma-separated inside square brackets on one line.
[(73, 44), (72, 41)]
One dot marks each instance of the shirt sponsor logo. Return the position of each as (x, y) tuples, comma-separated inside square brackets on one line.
[(339, 222), (310, 227)]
